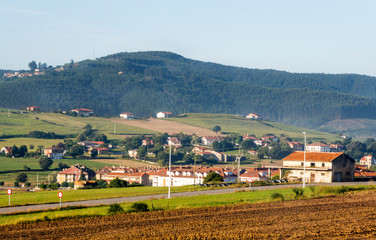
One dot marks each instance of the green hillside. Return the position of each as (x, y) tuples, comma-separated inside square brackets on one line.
[(145, 83), (241, 125), (22, 123)]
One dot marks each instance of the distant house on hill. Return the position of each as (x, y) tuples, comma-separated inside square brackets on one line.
[(209, 140), (53, 152), (164, 114), (33, 109), (296, 146), (254, 116), (127, 115), (174, 141), (83, 111), (6, 150)]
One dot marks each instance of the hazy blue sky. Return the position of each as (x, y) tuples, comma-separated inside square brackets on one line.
[(297, 36)]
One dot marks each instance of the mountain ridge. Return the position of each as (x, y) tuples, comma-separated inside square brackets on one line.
[(147, 82)]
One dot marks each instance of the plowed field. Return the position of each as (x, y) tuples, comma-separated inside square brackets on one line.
[(166, 126), (346, 217)]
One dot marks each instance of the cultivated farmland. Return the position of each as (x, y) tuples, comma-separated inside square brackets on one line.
[(351, 216)]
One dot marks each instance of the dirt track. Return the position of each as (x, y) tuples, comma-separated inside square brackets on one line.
[(167, 126)]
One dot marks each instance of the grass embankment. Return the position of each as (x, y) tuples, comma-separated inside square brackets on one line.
[(241, 125), (240, 197)]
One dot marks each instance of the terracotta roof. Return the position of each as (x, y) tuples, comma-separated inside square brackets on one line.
[(126, 113), (318, 145), (313, 156), (83, 109), (72, 170)]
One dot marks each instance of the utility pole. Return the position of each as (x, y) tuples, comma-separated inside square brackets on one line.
[(169, 169), (114, 128), (238, 157), (305, 143), (194, 171)]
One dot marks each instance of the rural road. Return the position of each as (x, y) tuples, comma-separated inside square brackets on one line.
[(88, 203)]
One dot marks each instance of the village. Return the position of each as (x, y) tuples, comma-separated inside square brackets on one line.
[(194, 158)]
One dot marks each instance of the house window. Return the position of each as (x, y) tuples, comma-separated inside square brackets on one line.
[(323, 164), (312, 164), (348, 174), (301, 173), (302, 164), (322, 174)]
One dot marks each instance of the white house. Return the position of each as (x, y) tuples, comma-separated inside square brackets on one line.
[(174, 141), (320, 167), (209, 140), (253, 116), (164, 114), (53, 152), (368, 160), (83, 111), (318, 147), (127, 115)]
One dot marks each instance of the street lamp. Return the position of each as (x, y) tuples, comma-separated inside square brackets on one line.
[(169, 169), (305, 143)]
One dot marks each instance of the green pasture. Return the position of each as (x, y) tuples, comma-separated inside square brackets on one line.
[(240, 197), (19, 123), (241, 125)]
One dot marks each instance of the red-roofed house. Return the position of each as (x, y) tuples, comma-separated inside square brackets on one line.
[(127, 115), (363, 172), (368, 160), (318, 147), (83, 111), (174, 141), (71, 174), (320, 166), (33, 109), (253, 116), (296, 146), (164, 114)]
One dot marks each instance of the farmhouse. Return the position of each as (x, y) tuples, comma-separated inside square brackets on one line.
[(318, 147), (127, 115), (259, 174), (53, 152), (320, 167), (83, 111), (91, 144), (164, 114)]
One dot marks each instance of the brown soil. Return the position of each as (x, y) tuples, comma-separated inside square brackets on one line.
[(166, 126), (125, 162), (347, 217)]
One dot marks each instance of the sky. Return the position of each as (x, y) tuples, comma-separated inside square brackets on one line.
[(311, 36)]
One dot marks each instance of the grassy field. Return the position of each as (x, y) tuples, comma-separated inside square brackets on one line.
[(241, 125), (21, 197), (22, 123), (240, 197)]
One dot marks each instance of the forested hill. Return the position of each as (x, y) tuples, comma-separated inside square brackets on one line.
[(147, 82)]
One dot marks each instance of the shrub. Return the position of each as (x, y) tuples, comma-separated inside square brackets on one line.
[(26, 168), (22, 177), (115, 208), (117, 183), (1, 183), (298, 192), (139, 207), (27, 184), (64, 184), (102, 184), (16, 184), (276, 196)]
